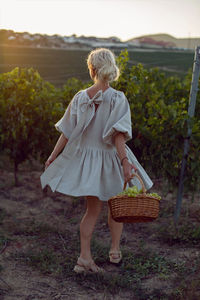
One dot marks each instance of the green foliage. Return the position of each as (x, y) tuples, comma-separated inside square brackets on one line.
[(71, 87), (30, 106), (29, 109), (159, 114)]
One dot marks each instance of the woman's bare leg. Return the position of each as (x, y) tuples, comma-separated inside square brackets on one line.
[(94, 206), (116, 232)]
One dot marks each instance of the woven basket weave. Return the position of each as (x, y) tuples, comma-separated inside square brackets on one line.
[(142, 208)]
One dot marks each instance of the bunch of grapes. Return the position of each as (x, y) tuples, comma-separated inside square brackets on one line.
[(155, 195), (134, 191)]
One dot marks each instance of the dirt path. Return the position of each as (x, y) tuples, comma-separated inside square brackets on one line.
[(33, 223)]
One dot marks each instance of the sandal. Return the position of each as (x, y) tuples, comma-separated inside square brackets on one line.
[(83, 266), (115, 256)]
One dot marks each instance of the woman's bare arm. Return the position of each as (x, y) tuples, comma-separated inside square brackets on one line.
[(62, 141), (120, 145), (121, 150)]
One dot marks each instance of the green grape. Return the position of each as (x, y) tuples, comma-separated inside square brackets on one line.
[(134, 191), (155, 195)]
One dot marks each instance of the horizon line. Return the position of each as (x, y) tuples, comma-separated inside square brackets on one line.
[(52, 34)]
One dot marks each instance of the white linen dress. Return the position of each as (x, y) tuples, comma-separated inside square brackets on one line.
[(89, 163)]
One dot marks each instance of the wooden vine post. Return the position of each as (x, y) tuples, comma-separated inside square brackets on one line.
[(191, 111)]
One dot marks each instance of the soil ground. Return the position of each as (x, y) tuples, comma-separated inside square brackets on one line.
[(39, 245)]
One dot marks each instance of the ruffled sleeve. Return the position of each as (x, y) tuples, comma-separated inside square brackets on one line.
[(119, 119), (69, 120)]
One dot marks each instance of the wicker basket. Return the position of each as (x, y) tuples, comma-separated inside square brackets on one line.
[(142, 208)]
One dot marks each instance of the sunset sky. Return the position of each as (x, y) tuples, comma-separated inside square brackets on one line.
[(102, 18)]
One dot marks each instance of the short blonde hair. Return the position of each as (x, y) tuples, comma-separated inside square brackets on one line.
[(102, 60)]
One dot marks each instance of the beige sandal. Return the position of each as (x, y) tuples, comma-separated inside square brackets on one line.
[(83, 266), (115, 256)]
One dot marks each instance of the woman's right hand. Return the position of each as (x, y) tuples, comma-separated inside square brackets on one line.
[(49, 160), (127, 170)]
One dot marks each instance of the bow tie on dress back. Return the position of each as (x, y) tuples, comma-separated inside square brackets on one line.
[(97, 99)]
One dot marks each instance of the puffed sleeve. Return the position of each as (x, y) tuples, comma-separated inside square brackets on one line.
[(69, 120), (119, 119)]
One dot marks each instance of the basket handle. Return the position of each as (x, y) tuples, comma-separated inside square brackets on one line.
[(140, 180)]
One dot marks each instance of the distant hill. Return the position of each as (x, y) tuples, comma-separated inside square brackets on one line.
[(166, 40), (154, 41), (12, 38)]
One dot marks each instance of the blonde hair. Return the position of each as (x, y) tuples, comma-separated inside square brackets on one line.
[(102, 61)]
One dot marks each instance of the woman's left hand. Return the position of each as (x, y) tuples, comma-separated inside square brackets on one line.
[(127, 169)]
